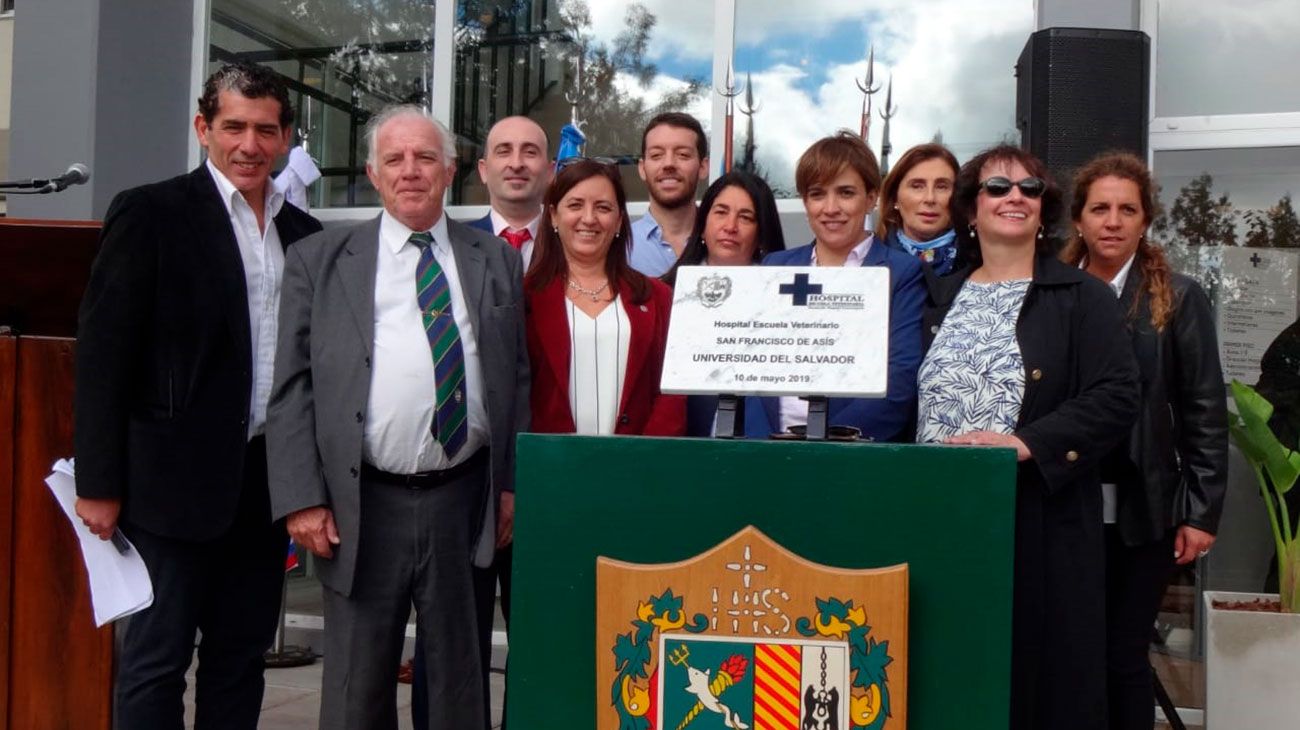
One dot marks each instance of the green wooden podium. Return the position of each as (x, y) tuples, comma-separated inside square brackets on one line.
[(946, 511)]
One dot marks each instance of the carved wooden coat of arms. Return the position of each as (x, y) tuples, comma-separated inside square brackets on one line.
[(750, 636)]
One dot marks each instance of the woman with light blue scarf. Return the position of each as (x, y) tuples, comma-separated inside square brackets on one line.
[(914, 215)]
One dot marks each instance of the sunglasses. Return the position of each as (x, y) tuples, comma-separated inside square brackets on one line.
[(1000, 187), (613, 162)]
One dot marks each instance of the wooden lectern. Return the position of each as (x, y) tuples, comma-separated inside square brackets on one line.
[(56, 668)]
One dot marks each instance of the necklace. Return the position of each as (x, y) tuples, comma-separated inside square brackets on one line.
[(593, 293)]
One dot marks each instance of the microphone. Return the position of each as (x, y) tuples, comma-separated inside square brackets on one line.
[(77, 174)]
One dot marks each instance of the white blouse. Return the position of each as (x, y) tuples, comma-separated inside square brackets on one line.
[(598, 364)]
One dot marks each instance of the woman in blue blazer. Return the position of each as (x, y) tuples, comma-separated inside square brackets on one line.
[(839, 179)]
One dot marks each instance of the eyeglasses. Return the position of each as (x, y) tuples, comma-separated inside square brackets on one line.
[(613, 162), (1000, 187)]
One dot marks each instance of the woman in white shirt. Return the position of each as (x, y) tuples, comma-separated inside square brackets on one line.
[(596, 328)]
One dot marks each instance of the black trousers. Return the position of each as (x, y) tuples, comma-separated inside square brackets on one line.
[(228, 589), (1135, 582), (485, 598)]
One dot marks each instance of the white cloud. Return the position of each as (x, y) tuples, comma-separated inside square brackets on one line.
[(952, 62), (965, 89)]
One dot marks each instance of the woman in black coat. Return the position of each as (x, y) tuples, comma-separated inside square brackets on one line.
[(1027, 353), (1163, 488)]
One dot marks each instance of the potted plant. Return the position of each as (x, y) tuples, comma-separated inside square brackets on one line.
[(1252, 641)]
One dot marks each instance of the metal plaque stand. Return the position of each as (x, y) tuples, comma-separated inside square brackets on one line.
[(731, 417), (818, 407)]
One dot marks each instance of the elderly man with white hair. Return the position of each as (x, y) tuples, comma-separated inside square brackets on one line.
[(401, 379)]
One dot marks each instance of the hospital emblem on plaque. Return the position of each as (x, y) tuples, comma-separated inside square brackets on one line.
[(714, 289), (750, 636)]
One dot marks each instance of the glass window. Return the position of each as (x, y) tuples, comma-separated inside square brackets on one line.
[(521, 57), (342, 61), (1225, 197), (951, 63), (1217, 203), (1226, 57), (1228, 219)]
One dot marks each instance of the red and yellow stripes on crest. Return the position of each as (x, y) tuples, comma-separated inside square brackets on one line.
[(776, 686)]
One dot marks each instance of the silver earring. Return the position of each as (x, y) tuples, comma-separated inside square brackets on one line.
[(971, 230), (1040, 233)]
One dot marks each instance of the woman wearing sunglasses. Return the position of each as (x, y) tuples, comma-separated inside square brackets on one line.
[(596, 328), (1027, 353), (736, 224), (914, 200), (838, 179), (1163, 488)]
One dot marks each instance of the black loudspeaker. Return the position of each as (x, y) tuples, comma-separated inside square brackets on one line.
[(1082, 91)]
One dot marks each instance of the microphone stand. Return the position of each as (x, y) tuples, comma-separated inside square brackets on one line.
[(30, 186)]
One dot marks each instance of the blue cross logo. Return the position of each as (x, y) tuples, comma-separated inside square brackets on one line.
[(799, 290), (1255, 260)]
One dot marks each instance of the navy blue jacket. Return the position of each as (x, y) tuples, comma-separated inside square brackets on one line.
[(881, 419)]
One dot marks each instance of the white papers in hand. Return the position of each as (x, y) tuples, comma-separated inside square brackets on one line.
[(119, 583)]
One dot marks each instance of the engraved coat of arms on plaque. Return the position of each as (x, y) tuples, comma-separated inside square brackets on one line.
[(750, 636)]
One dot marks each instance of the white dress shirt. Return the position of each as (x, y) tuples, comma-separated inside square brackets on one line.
[(399, 424), (794, 410), (597, 366), (263, 259), (501, 225)]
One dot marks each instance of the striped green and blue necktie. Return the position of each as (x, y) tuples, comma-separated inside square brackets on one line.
[(451, 419)]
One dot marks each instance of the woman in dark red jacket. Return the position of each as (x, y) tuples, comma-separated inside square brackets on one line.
[(596, 327)]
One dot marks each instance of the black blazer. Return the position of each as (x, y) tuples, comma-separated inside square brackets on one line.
[(1179, 446), (164, 361), (1081, 396)]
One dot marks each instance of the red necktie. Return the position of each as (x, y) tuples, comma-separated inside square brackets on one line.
[(517, 238)]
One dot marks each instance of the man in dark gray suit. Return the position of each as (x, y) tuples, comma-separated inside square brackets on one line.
[(401, 380)]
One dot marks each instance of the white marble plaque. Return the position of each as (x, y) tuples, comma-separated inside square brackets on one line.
[(779, 330), (1257, 300)]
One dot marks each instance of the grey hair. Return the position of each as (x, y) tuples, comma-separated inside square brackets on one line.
[(389, 113)]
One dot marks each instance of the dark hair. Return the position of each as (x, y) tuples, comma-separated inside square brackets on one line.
[(890, 219), (962, 205), (549, 262), (1150, 259), (250, 81), (767, 238), (678, 119), (821, 162)]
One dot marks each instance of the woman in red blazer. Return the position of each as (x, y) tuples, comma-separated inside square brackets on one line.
[(596, 327)]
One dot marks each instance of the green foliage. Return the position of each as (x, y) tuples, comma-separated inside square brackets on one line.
[(1199, 219), (667, 603), (613, 118), (834, 607), (631, 656), (1284, 224), (1276, 468)]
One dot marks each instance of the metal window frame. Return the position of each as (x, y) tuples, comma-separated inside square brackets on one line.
[(1211, 131), (442, 56)]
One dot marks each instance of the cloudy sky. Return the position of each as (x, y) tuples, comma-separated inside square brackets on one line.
[(952, 62), (1204, 46)]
